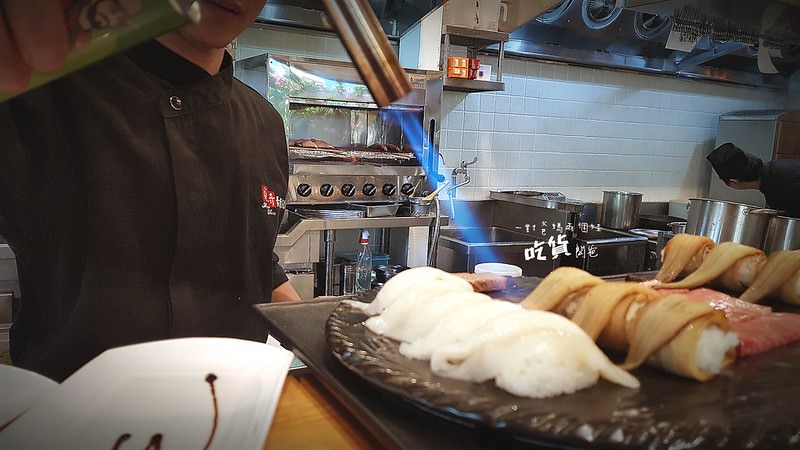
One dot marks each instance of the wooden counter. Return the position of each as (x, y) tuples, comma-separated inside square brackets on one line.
[(308, 418)]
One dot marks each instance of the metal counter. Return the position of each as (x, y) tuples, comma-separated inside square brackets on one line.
[(308, 225), (299, 248)]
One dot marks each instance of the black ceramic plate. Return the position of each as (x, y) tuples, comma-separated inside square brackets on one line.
[(753, 404)]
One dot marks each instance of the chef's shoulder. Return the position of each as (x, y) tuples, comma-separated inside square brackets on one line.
[(259, 118), (788, 169), (255, 103), (112, 85)]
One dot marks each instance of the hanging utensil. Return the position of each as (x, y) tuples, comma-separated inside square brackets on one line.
[(416, 186), (433, 194)]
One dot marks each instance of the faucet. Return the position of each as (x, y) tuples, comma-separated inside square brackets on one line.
[(462, 169)]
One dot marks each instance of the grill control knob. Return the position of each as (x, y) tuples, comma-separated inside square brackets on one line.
[(407, 189), (348, 190), (389, 189), (369, 189), (326, 190), (304, 190)]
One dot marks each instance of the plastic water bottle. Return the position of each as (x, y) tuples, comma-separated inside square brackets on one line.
[(364, 264)]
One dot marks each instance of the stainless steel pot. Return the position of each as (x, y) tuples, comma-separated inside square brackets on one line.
[(419, 207), (728, 221), (620, 209), (783, 233), (677, 227)]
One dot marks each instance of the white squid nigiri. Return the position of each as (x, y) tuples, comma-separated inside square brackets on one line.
[(457, 325), (419, 282), (413, 317), (530, 353)]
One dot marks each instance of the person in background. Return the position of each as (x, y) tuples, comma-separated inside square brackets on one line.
[(778, 180), (141, 195)]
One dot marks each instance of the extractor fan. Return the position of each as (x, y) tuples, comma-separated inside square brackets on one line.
[(598, 14)]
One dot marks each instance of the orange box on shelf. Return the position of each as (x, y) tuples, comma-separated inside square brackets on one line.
[(457, 72), (457, 62)]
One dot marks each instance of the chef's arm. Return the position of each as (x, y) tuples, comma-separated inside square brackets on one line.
[(285, 293), (282, 290)]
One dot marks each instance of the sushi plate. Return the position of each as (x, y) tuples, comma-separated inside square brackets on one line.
[(750, 405)]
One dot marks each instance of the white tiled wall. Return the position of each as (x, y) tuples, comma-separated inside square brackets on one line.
[(581, 130), (572, 129), (290, 41)]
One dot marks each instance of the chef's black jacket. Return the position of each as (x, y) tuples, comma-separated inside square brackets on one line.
[(780, 184), (142, 198)]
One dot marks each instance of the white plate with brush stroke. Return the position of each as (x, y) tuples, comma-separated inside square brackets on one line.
[(199, 393)]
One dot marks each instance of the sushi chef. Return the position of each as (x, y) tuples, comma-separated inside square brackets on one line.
[(142, 195), (778, 180)]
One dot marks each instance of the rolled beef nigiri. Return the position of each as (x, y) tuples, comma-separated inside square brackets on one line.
[(729, 265), (671, 332), (682, 255), (790, 292), (682, 337), (563, 283), (606, 311), (778, 277)]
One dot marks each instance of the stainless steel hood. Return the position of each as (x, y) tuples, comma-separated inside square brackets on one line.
[(625, 34), (773, 19), (394, 15), (599, 33)]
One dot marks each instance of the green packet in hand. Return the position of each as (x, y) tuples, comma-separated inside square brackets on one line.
[(100, 28)]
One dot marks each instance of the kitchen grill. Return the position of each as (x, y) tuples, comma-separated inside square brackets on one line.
[(343, 147), (361, 156), (351, 162)]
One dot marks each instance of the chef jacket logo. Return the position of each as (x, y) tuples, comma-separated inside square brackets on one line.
[(271, 201)]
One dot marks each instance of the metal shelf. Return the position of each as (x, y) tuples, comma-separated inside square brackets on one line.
[(467, 85), (469, 37), (474, 41)]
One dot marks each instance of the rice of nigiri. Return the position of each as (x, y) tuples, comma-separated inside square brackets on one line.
[(709, 353), (538, 365)]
